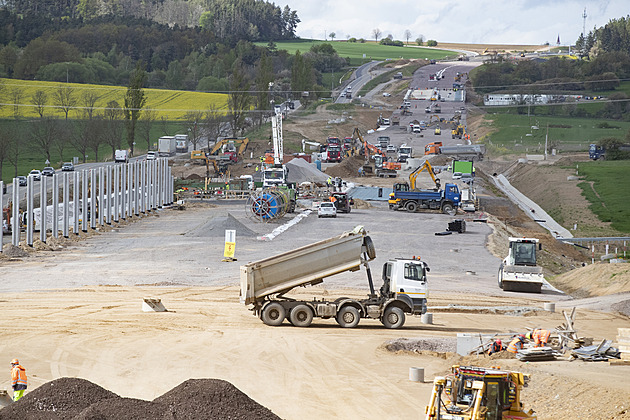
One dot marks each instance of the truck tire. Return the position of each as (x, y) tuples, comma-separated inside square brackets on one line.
[(449, 209), (301, 316), (393, 317), (411, 206), (369, 245), (500, 276), (273, 314), (348, 317)]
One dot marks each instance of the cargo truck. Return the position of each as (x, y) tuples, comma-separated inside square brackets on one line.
[(166, 146), (181, 143), (264, 284), (445, 200)]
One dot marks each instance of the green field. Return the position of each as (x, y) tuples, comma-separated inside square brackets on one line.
[(611, 182), (169, 104), (367, 51), (514, 133)]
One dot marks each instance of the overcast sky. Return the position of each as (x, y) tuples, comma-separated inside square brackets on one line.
[(531, 22)]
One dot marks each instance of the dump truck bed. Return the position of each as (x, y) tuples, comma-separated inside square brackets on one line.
[(303, 266)]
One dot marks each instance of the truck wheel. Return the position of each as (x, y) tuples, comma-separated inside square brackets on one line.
[(448, 209), (393, 317), (301, 316), (348, 317), (273, 314), (411, 206), (500, 276), (369, 245)]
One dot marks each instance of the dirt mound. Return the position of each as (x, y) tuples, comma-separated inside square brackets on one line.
[(422, 344), (302, 171), (79, 399), (217, 226), (347, 168), (212, 399), (62, 398), (595, 280), (12, 251)]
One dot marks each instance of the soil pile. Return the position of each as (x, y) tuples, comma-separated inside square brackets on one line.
[(12, 251), (349, 167), (217, 226), (79, 399)]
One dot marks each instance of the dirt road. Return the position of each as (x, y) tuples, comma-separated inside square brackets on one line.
[(93, 326)]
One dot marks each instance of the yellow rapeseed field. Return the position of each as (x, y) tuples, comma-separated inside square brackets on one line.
[(18, 96)]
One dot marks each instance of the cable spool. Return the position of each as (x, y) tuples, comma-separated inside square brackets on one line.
[(268, 204)]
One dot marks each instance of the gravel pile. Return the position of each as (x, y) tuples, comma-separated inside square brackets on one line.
[(217, 226), (79, 399), (442, 345), (302, 171)]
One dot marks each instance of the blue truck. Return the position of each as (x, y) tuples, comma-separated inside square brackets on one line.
[(446, 200)]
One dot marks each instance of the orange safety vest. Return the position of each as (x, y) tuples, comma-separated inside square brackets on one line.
[(494, 348), (18, 376), (541, 337), (515, 345)]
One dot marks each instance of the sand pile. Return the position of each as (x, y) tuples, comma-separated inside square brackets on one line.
[(217, 226), (349, 167), (302, 171), (12, 251), (79, 399)]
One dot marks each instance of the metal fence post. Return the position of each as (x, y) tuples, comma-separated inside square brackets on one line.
[(101, 195), (55, 209), (43, 211), (66, 205), (108, 194), (75, 203), (130, 189), (92, 195), (115, 193), (29, 211), (15, 222), (84, 201), (123, 191)]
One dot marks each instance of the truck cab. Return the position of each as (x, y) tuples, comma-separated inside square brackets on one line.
[(273, 177), (406, 280)]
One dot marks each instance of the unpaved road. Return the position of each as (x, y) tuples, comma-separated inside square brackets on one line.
[(93, 327)]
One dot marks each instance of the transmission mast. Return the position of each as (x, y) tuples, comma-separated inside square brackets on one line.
[(584, 23)]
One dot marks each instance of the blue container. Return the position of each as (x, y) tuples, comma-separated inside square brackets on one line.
[(318, 163)]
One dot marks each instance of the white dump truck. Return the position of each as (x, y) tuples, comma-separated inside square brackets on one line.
[(264, 284), (519, 272)]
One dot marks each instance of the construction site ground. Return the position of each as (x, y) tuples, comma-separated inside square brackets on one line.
[(76, 311)]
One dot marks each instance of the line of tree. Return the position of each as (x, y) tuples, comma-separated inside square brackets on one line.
[(612, 37)]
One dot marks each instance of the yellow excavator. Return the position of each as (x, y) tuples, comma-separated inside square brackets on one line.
[(414, 175), (476, 393)]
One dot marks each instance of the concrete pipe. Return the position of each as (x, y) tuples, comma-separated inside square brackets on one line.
[(416, 374), (549, 307), (427, 318)]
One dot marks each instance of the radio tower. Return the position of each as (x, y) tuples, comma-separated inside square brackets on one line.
[(584, 24)]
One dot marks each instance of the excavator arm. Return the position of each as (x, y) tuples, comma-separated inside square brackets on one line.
[(414, 175)]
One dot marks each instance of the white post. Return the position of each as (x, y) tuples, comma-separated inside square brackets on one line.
[(42, 208), (15, 222), (66, 205), (55, 209)]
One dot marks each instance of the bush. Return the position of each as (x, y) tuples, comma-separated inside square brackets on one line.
[(352, 39), (432, 43), (388, 41), (362, 40)]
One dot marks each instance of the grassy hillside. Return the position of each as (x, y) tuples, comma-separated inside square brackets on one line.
[(514, 133), (609, 192), (367, 51), (170, 104)]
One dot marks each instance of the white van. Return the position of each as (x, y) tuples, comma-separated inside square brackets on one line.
[(121, 156)]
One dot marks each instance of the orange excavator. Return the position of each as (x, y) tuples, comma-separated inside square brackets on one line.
[(381, 166)]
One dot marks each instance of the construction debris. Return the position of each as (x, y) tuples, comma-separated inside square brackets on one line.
[(596, 353), (623, 341), (568, 335), (537, 354)]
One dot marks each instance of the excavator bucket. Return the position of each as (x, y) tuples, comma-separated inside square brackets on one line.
[(5, 399)]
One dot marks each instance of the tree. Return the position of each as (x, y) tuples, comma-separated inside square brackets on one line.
[(64, 99), (146, 121), (40, 99), (420, 40), (613, 151), (376, 33), (113, 126), (16, 98), (81, 136), (88, 102), (213, 123), (135, 100), (432, 43), (5, 145), (43, 134), (238, 98), (332, 36), (407, 35), (193, 126)]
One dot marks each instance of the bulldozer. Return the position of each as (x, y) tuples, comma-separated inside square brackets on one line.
[(476, 393), (519, 272)]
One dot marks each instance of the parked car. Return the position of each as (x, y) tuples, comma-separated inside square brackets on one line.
[(151, 155), (22, 181), (467, 178), (48, 171), (326, 209), (37, 174), (457, 175), (391, 148), (68, 166)]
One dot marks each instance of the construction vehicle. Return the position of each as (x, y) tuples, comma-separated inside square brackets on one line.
[(342, 202), (368, 151), (596, 151), (333, 153), (437, 109), (384, 167), (264, 284), (464, 151), (518, 271), (477, 393), (433, 148), (231, 148), (457, 132), (438, 131), (405, 152), (407, 197), (413, 176)]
